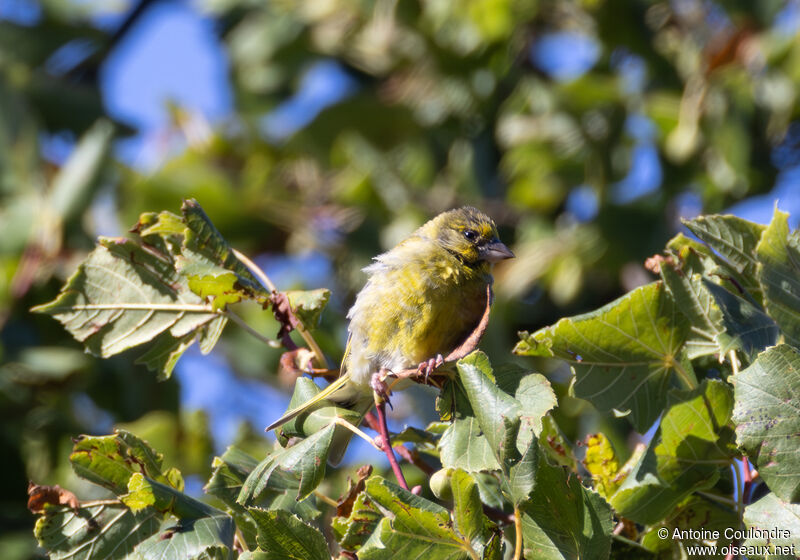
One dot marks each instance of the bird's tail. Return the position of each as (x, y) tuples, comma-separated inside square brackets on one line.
[(338, 388)]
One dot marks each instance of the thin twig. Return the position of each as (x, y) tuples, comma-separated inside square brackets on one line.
[(518, 535), (301, 328), (734, 361), (326, 499), (380, 407), (256, 270), (357, 431), (241, 322)]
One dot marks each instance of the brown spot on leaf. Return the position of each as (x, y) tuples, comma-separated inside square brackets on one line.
[(344, 506), (40, 496)]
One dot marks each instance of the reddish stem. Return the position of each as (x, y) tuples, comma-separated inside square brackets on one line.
[(387, 444), (748, 480)]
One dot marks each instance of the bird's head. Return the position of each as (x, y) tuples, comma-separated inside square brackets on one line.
[(469, 234)]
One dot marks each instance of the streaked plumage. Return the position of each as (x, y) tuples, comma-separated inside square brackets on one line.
[(421, 299)]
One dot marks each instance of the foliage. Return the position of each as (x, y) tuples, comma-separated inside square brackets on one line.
[(444, 104), (500, 488)]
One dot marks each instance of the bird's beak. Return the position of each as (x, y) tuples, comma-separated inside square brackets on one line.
[(495, 251)]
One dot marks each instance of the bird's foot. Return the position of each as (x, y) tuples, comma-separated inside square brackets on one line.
[(428, 366), (380, 387)]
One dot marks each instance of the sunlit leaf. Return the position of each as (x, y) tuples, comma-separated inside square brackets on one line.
[(623, 355), (417, 528), (111, 461), (101, 530), (602, 463), (779, 273), (562, 519), (281, 536), (747, 327), (766, 419), (770, 513)]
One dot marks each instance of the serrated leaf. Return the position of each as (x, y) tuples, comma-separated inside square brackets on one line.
[(694, 437), (124, 295), (228, 475), (779, 273), (768, 514), (146, 493), (468, 515), (747, 327), (464, 446), (602, 463), (522, 475), (351, 532), (282, 536), (766, 419), (103, 530), (308, 305), (206, 253), (645, 497), (415, 527), (205, 538), (306, 461), (694, 301), (563, 520), (735, 239), (110, 461), (623, 354), (555, 444)]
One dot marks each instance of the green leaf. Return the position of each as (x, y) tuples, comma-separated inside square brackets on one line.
[(282, 536), (308, 305), (415, 527), (124, 295), (623, 354), (206, 253), (103, 530), (563, 520), (464, 446), (305, 461), (110, 461), (351, 532), (205, 538), (768, 514), (735, 239), (76, 181), (766, 419), (228, 476), (522, 476), (468, 515), (145, 493), (646, 498), (695, 440), (747, 327), (779, 273), (694, 301)]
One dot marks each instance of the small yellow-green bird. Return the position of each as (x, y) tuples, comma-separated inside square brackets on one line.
[(421, 300)]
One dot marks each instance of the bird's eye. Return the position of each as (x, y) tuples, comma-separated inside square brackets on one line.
[(470, 234)]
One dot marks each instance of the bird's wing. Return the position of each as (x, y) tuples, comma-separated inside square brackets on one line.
[(326, 393)]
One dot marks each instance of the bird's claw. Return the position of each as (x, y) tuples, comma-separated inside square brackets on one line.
[(428, 366)]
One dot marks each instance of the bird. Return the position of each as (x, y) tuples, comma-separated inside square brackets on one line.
[(421, 299)]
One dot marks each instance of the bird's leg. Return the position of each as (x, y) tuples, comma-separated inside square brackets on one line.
[(380, 387)]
